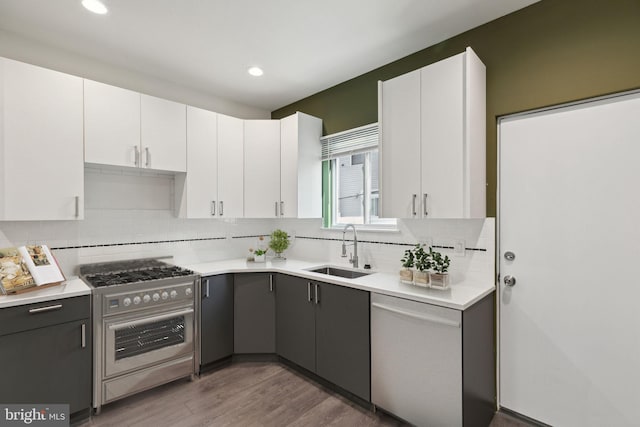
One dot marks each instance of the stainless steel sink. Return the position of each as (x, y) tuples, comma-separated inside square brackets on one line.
[(340, 272)]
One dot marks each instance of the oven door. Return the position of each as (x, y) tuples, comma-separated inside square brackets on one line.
[(147, 339)]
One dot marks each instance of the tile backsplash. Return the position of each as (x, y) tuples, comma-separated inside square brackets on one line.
[(129, 216)]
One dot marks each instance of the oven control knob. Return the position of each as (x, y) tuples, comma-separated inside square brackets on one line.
[(146, 298), (156, 296), (126, 302), (136, 300), (174, 294), (188, 291), (165, 295)]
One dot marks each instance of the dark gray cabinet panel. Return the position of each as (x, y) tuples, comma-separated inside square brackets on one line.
[(254, 313), (295, 321), (48, 365), (342, 338), (216, 318)]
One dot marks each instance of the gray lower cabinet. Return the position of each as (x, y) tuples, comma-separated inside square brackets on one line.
[(216, 318), (254, 313), (325, 329), (45, 353)]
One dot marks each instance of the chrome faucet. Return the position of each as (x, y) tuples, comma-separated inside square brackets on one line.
[(354, 257)]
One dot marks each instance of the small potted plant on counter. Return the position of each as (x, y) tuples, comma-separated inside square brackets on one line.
[(408, 261), (423, 264), (279, 243), (259, 255), (439, 276)]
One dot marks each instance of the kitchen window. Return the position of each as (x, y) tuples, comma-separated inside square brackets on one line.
[(351, 179)]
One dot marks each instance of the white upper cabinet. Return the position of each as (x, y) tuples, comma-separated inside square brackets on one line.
[(202, 164), (163, 134), (125, 128), (230, 167), (41, 160), (399, 110), (111, 125), (433, 141), (300, 167), (261, 168)]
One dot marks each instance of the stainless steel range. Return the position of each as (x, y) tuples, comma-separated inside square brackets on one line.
[(144, 326)]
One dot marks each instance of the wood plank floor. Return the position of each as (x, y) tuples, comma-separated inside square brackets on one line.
[(246, 394)]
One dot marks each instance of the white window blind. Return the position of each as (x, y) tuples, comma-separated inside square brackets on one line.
[(352, 141)]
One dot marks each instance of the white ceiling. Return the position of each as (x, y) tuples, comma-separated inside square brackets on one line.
[(304, 46)]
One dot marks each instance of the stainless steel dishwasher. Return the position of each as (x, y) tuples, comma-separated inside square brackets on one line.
[(416, 361)]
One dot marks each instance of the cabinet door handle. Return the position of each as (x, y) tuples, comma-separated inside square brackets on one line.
[(271, 283), (77, 206), (147, 156), (276, 208), (136, 150), (309, 291), (281, 208), (221, 208), (44, 309), (424, 201), (83, 335), (317, 289), (213, 208), (413, 209), (206, 288)]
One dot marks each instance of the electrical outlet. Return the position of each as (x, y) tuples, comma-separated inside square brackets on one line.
[(458, 247)]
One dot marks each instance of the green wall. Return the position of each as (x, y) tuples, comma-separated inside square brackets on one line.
[(551, 52)]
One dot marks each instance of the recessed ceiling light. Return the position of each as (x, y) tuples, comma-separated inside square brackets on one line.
[(95, 6), (255, 71)]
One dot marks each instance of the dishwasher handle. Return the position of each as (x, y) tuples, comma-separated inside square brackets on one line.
[(419, 316)]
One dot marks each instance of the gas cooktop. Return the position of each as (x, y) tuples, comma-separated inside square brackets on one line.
[(130, 271)]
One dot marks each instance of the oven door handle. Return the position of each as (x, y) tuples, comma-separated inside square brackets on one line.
[(122, 325)]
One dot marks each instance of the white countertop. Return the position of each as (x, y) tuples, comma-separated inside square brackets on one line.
[(71, 288), (459, 296)]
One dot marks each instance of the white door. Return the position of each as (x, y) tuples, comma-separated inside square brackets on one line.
[(163, 134), (230, 167), (569, 206), (289, 167), (261, 168), (202, 163), (41, 155), (111, 125)]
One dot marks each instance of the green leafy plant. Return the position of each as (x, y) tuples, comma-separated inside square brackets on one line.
[(279, 241), (408, 260), (440, 263), (423, 258), (260, 252)]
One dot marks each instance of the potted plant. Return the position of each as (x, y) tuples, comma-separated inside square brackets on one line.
[(259, 255), (440, 276), (279, 243), (423, 264), (408, 261)]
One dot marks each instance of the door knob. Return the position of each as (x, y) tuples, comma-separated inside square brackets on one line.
[(509, 280)]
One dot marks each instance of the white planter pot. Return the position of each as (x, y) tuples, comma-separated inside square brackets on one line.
[(421, 278), (440, 280), (260, 258)]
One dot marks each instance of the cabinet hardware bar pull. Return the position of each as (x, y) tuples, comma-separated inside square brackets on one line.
[(413, 209), (83, 335), (424, 201), (77, 206), (281, 208), (276, 208), (43, 309), (116, 326), (146, 151), (206, 289), (213, 208), (136, 150), (433, 319), (317, 294), (309, 291), (221, 208), (271, 283)]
